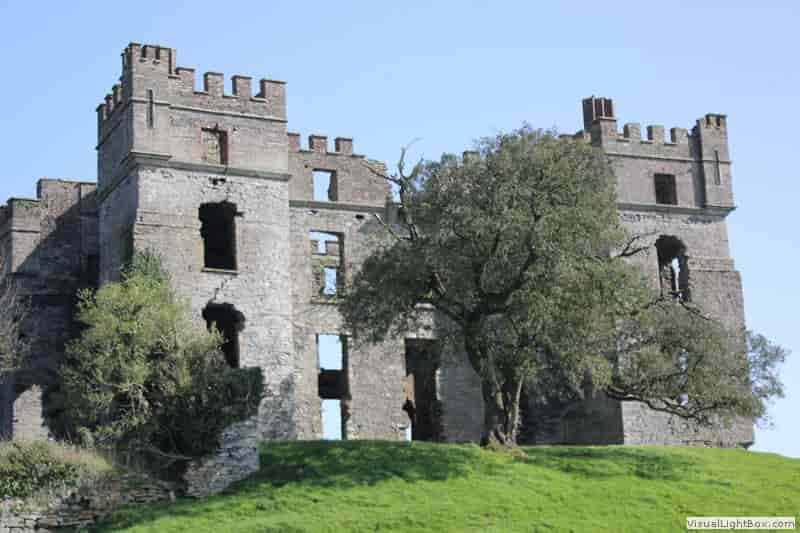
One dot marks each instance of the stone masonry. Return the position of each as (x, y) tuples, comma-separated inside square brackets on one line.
[(217, 186)]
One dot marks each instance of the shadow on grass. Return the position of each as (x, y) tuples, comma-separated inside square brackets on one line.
[(317, 464), (347, 464), (611, 461)]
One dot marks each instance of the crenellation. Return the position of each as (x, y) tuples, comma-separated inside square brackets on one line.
[(679, 135), (242, 86), (116, 93), (294, 142), (214, 84), (343, 145), (318, 143), (185, 83), (655, 134), (632, 131)]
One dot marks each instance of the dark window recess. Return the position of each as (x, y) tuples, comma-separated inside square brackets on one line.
[(218, 229), (229, 322), (666, 193), (325, 186), (673, 268), (422, 404)]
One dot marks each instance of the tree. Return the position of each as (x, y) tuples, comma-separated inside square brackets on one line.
[(518, 248), (144, 379)]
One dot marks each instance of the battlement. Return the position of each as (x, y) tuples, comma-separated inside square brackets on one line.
[(319, 144), (49, 191), (150, 75), (600, 127)]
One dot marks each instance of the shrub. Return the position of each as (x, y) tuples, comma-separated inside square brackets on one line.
[(28, 468), (146, 380)]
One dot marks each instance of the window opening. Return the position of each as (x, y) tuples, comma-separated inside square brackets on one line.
[(229, 322), (331, 281), (326, 264), (324, 185), (673, 268), (423, 403), (666, 192), (332, 385), (218, 229)]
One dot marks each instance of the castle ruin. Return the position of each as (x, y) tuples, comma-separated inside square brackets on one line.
[(261, 233)]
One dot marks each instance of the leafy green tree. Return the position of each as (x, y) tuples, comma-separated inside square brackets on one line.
[(145, 379), (519, 250)]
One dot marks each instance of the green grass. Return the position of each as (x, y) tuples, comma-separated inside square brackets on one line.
[(382, 486)]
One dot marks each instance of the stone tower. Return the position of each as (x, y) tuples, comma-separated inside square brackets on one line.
[(677, 194), (201, 177)]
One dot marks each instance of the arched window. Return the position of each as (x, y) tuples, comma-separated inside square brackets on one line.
[(673, 268), (229, 322)]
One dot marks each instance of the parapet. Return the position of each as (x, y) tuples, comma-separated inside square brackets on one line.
[(600, 127), (150, 75), (319, 144)]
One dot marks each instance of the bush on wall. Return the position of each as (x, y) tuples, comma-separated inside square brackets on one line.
[(144, 379)]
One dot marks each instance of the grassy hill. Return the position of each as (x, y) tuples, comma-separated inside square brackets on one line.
[(382, 486)]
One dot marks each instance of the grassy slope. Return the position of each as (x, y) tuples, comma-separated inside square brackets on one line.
[(381, 486)]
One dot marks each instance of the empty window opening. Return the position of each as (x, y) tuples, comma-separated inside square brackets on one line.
[(325, 186), (215, 146), (331, 281), (332, 385), (332, 419), (326, 264), (229, 322), (666, 192), (717, 173), (218, 229), (423, 402), (320, 240), (673, 268)]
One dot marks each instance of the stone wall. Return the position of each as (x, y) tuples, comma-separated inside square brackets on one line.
[(235, 459), (77, 511), (47, 244)]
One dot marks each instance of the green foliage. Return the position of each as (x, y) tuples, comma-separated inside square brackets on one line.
[(28, 468), (425, 487), (520, 251), (144, 378)]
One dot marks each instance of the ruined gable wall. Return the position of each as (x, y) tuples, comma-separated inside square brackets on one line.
[(374, 397), (47, 243)]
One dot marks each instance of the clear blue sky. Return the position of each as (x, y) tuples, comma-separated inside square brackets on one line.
[(386, 73)]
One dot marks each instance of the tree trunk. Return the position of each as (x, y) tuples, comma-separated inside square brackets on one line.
[(501, 412)]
